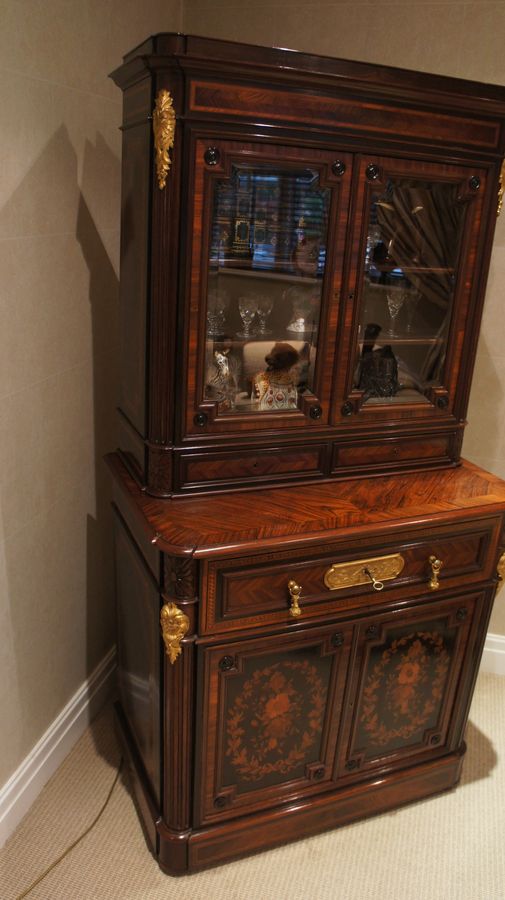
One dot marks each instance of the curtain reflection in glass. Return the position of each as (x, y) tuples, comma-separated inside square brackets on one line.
[(412, 251)]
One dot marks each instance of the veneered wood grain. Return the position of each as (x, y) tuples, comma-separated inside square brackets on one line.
[(340, 113), (233, 466), (374, 453), (240, 522)]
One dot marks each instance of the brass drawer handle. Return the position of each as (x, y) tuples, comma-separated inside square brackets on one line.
[(436, 565), (377, 585), (294, 592)]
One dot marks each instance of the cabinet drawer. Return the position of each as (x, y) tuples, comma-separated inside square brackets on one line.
[(363, 455), (253, 591), (235, 467)]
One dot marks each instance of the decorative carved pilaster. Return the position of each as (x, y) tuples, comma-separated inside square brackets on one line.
[(180, 577), (159, 471)]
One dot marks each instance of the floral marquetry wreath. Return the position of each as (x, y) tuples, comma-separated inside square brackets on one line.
[(405, 687), (275, 720)]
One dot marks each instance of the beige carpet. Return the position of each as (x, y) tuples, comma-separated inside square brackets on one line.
[(450, 847)]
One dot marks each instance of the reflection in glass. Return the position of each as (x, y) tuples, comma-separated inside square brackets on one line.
[(412, 251), (267, 254)]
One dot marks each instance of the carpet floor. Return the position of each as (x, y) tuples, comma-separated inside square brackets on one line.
[(450, 847)]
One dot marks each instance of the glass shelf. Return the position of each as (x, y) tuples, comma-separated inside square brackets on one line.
[(269, 275)]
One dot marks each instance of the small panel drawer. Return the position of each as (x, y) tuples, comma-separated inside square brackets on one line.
[(254, 591), (362, 455), (237, 467)]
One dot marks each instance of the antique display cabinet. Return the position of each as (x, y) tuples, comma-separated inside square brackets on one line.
[(305, 566)]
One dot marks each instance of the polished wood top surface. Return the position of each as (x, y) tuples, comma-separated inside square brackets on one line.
[(254, 520)]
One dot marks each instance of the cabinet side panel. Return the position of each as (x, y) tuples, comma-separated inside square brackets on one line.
[(135, 190), (138, 650)]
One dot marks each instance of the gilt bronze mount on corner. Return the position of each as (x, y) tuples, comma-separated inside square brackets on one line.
[(164, 134)]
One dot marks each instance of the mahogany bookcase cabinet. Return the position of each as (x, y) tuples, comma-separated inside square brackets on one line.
[(305, 567)]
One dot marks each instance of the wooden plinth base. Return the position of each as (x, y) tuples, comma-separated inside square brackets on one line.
[(184, 852)]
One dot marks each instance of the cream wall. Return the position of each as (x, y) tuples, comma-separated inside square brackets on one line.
[(449, 37), (59, 218)]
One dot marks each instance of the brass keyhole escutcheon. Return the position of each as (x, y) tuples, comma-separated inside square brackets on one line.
[(375, 569), (436, 565), (376, 584), (294, 592)]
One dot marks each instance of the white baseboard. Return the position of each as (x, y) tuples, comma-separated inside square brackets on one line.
[(24, 786), (493, 658)]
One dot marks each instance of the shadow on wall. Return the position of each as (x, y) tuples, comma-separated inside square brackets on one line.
[(103, 298), (58, 397)]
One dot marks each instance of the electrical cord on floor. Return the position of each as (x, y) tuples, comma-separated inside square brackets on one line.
[(77, 841)]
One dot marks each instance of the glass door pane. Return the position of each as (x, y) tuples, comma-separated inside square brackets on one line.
[(413, 245), (267, 256)]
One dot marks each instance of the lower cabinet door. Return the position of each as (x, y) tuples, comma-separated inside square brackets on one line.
[(269, 715), (410, 683)]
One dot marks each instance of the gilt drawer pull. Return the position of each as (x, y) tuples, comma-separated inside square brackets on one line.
[(436, 565), (294, 592), (364, 571)]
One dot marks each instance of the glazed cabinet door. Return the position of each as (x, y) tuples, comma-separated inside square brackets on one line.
[(267, 245), (414, 284), (411, 684), (269, 713)]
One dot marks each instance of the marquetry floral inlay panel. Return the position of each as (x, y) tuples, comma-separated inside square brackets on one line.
[(404, 688), (274, 724)]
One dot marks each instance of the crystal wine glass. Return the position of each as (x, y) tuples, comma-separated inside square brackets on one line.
[(216, 306), (395, 298), (265, 304), (301, 309), (411, 301), (247, 307)]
